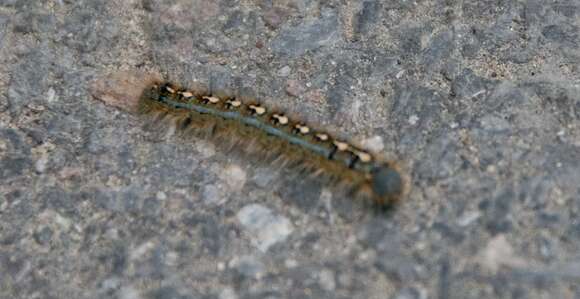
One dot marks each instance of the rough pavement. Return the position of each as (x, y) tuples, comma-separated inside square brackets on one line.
[(479, 98)]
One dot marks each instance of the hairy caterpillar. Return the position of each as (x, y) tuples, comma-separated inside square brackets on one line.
[(272, 135), (249, 127)]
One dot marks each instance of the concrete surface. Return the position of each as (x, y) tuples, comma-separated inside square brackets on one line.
[(479, 98)]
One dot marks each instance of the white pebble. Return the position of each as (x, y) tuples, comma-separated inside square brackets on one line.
[(265, 228), (284, 72), (41, 164), (326, 280), (235, 177), (413, 119), (228, 293), (374, 144)]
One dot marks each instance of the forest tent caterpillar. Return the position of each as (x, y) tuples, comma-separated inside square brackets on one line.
[(257, 130), (254, 128)]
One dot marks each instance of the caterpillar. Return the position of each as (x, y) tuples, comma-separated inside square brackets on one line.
[(249, 127)]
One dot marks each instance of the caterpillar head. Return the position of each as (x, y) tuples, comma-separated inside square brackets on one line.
[(388, 184)]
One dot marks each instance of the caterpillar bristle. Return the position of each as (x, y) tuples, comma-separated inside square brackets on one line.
[(244, 125)]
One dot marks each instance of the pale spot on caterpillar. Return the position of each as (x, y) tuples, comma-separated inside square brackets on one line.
[(168, 88), (364, 157), (322, 137), (302, 129), (341, 146), (234, 103), (187, 94), (257, 109), (212, 100), (281, 119)]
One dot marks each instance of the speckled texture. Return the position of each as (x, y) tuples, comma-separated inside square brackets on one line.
[(479, 98)]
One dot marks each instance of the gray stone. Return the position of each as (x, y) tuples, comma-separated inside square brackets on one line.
[(469, 85), (565, 34), (167, 293), (440, 48), (408, 293), (368, 16), (326, 280), (12, 167), (30, 21), (43, 236), (30, 79), (284, 71), (248, 266), (274, 17), (295, 88), (312, 35)]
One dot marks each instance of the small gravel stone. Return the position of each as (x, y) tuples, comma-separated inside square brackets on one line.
[(43, 235), (468, 218), (284, 71), (41, 163), (326, 280), (264, 226), (264, 177), (211, 194), (499, 252), (374, 144), (248, 266), (129, 293), (295, 41), (228, 293), (413, 119), (11, 167), (274, 17), (408, 293), (235, 177), (161, 195), (294, 88)]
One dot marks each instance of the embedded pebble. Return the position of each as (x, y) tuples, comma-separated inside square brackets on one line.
[(410, 293), (264, 177), (374, 144), (41, 163), (308, 36), (228, 293), (294, 88), (274, 17), (235, 177), (498, 253), (129, 293), (265, 228), (51, 95), (248, 266), (205, 149), (468, 218), (326, 280), (413, 119), (211, 194), (284, 71), (161, 195)]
